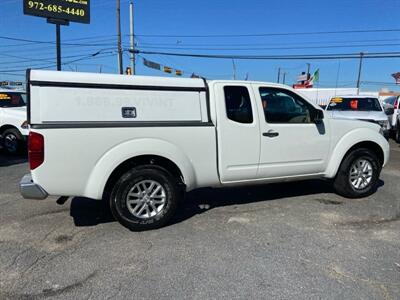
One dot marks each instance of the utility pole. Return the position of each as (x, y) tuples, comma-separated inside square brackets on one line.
[(234, 69), (119, 46), (133, 58), (359, 73), (58, 42), (284, 77), (279, 74)]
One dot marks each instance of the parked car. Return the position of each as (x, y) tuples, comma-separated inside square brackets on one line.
[(394, 119), (13, 121), (140, 142), (364, 108)]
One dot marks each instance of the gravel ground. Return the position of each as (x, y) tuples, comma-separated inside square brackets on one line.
[(287, 241)]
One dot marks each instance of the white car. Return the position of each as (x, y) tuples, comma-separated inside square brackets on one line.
[(364, 108), (394, 119), (140, 142), (13, 120)]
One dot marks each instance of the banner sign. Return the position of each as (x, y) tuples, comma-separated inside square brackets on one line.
[(157, 66), (151, 64), (69, 10), (11, 83)]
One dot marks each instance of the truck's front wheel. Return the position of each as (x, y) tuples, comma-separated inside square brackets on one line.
[(145, 197), (358, 174)]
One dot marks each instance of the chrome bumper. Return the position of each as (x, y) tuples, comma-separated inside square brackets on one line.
[(31, 190)]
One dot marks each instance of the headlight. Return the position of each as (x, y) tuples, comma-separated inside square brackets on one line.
[(383, 124), (381, 131), (25, 125)]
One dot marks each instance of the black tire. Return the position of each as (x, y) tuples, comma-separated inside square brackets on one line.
[(119, 193), (13, 141), (397, 134), (342, 183)]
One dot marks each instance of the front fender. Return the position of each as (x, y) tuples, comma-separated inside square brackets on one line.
[(130, 149), (350, 139)]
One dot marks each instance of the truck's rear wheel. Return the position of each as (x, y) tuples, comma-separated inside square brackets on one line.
[(12, 141), (145, 197), (358, 174)]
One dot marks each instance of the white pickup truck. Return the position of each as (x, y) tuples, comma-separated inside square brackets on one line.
[(13, 120), (141, 142)]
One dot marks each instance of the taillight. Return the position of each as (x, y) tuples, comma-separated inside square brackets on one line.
[(396, 104), (35, 149)]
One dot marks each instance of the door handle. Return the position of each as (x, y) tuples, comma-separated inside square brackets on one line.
[(271, 133)]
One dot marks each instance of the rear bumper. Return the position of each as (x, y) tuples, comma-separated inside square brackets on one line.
[(31, 190)]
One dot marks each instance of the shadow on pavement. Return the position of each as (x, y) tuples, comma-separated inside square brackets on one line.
[(203, 200), (9, 160), (88, 212)]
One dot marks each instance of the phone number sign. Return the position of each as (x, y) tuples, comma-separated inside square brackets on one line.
[(70, 10)]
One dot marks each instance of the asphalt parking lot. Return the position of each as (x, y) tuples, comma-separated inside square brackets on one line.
[(295, 240)]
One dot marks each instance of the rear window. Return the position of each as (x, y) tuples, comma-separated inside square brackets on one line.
[(12, 99), (354, 104), (238, 105)]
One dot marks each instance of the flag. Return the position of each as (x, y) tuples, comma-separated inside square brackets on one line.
[(315, 77)]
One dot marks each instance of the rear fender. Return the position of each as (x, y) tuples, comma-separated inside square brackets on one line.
[(130, 149)]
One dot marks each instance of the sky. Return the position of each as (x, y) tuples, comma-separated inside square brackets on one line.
[(215, 27)]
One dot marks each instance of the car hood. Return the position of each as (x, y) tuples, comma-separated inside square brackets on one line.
[(359, 115), (19, 112)]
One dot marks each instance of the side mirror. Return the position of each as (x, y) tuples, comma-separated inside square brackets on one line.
[(318, 116), (389, 111)]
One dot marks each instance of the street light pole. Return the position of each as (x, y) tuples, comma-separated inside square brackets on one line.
[(359, 73), (133, 58), (119, 42)]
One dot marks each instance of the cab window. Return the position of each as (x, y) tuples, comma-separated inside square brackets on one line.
[(238, 104), (283, 106)]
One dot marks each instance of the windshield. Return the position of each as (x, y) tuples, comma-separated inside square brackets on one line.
[(354, 104), (12, 99)]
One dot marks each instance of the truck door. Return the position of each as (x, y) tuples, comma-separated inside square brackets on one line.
[(238, 132), (291, 142)]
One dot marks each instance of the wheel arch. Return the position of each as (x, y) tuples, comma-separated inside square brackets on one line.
[(8, 126), (355, 140), (138, 152), (155, 160)]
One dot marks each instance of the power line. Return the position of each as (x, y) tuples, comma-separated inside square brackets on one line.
[(91, 56), (279, 57), (271, 34), (49, 59), (48, 42), (378, 83), (265, 44), (274, 48)]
